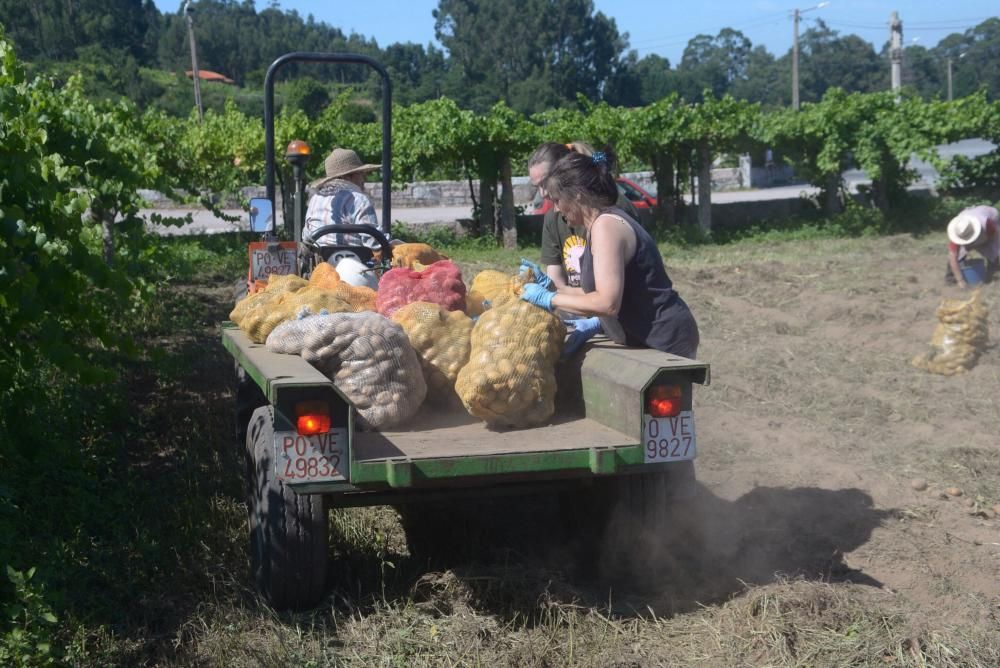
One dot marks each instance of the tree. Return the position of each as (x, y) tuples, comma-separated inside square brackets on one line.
[(307, 94), (640, 82), (718, 125), (765, 81), (528, 53), (827, 60), (714, 63)]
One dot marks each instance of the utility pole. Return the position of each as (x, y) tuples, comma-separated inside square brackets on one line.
[(960, 56), (949, 79), (188, 11), (795, 60), (795, 51), (896, 50)]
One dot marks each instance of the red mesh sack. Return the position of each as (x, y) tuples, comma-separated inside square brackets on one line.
[(440, 283)]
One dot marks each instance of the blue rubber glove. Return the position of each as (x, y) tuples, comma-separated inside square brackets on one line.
[(540, 276), (583, 330), (537, 295)]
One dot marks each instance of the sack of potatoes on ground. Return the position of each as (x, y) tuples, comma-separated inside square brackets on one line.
[(368, 357), (961, 335), (510, 380)]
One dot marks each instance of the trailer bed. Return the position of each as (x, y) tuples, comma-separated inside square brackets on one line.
[(441, 433)]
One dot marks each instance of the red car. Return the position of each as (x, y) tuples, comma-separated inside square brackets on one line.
[(641, 200)]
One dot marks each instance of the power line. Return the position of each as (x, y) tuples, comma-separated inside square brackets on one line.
[(674, 39), (955, 24), (883, 27)]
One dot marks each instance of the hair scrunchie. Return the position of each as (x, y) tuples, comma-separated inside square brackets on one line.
[(599, 157)]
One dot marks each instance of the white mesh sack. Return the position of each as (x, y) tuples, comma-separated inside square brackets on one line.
[(368, 357)]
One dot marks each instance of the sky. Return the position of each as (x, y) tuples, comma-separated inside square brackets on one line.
[(664, 26)]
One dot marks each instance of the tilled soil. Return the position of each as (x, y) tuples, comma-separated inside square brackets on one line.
[(816, 424)]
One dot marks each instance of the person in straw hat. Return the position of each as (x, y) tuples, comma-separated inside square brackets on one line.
[(976, 228), (339, 199)]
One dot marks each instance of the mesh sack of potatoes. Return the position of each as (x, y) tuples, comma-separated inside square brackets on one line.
[(261, 301), (324, 276), (492, 288), (440, 283), (259, 323), (408, 255), (368, 357), (441, 339), (509, 380), (959, 338)]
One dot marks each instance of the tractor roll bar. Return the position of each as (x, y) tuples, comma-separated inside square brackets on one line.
[(348, 58)]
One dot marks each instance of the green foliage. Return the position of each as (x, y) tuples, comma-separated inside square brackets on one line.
[(307, 95), (60, 155), (222, 154), (875, 132), (532, 54), (442, 238), (28, 641), (981, 173)]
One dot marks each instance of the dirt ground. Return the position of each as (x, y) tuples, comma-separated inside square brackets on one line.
[(816, 425), (816, 549)]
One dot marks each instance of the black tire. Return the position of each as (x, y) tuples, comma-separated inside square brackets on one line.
[(289, 532)]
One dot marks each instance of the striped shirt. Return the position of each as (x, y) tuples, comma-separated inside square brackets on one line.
[(341, 202)]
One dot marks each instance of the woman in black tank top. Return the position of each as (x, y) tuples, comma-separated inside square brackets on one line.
[(622, 274)]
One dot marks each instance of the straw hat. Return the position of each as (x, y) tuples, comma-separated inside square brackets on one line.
[(340, 163), (964, 229)]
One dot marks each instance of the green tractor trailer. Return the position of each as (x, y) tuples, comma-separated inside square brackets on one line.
[(624, 423)]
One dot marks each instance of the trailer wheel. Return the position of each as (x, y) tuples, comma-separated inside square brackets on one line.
[(289, 532), (249, 397), (650, 525)]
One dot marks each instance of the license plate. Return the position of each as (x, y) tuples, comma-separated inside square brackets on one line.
[(270, 258), (668, 439), (317, 458)]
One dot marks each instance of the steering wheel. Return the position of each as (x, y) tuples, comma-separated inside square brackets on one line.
[(362, 253)]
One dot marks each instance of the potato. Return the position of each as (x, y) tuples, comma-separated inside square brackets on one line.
[(510, 380), (369, 359)]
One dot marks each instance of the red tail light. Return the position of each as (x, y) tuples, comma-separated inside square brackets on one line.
[(312, 417), (663, 401)]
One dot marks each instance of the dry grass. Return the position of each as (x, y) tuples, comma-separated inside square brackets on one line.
[(443, 622)]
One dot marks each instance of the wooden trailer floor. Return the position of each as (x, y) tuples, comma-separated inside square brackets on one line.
[(440, 434)]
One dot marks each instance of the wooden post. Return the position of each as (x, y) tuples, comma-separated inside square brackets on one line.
[(704, 186), (508, 222)]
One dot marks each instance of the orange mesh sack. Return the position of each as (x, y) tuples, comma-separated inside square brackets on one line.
[(959, 338), (510, 378), (368, 358), (359, 297), (324, 276), (440, 283), (260, 302), (492, 288), (441, 339), (407, 255)]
